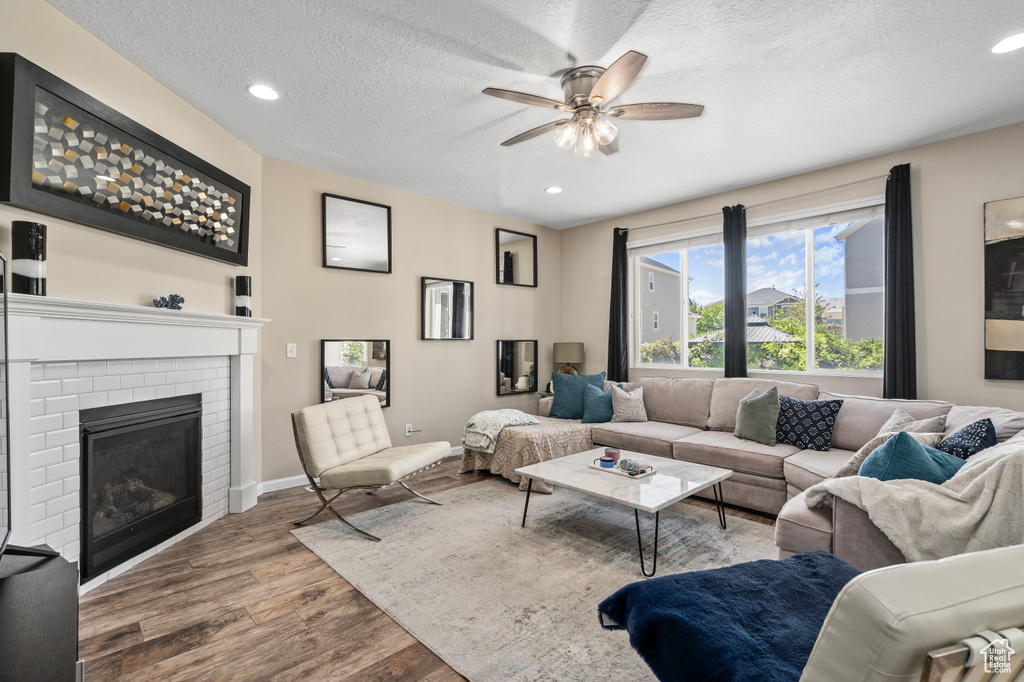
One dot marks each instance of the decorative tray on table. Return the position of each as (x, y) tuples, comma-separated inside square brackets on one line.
[(619, 472)]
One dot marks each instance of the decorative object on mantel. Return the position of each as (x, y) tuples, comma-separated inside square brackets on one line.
[(73, 157), (28, 258), (357, 234), (172, 302), (243, 296), (1004, 289), (568, 354)]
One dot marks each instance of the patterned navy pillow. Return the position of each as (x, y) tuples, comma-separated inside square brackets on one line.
[(971, 439), (382, 381), (327, 379), (806, 424)]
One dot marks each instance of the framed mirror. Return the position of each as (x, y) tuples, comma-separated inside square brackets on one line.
[(517, 368), (357, 234), (356, 367), (515, 255), (447, 310)]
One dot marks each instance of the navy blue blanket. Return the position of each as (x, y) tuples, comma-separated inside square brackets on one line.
[(752, 621)]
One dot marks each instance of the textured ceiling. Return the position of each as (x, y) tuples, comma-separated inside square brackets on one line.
[(389, 92)]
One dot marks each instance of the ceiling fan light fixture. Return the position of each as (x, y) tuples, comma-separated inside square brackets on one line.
[(605, 131), (565, 136), (586, 143)]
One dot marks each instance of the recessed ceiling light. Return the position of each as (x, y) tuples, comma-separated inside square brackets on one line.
[(263, 91), (554, 190), (1010, 44)]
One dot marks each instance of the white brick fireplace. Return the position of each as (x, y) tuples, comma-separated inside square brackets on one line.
[(67, 355)]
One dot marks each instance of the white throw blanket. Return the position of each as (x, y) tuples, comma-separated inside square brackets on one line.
[(981, 507), (482, 429)]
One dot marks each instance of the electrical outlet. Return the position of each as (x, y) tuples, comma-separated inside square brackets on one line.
[(408, 429), (290, 350)]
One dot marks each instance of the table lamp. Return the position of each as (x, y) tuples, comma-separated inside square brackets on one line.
[(568, 354)]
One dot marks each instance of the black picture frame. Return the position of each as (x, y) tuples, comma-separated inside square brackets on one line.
[(332, 257), (20, 80), (498, 258), (373, 345), (470, 327), (502, 358)]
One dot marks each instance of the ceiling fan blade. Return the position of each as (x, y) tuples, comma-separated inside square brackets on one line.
[(525, 98), (617, 77), (655, 111), (610, 148), (535, 132)]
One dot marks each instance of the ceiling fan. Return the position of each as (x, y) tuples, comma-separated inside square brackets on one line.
[(589, 91)]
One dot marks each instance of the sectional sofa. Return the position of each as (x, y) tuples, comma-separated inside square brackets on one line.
[(694, 419)]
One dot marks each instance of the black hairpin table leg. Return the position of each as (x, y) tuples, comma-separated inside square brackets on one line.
[(719, 499), (640, 544), (529, 488)]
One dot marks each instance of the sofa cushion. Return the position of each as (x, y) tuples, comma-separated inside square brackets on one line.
[(800, 528), (810, 467), (677, 400), (651, 438), (807, 423), (386, 466), (727, 393), (340, 375), (757, 416), (568, 403), (861, 417), (1007, 422), (725, 450), (901, 421), (903, 457)]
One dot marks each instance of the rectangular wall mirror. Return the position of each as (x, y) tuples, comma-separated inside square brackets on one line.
[(356, 367), (515, 258), (357, 234), (517, 368), (447, 310)]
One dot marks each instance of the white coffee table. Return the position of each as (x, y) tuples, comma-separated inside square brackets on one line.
[(674, 481)]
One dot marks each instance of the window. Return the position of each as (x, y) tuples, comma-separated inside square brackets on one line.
[(819, 289), (650, 281), (655, 319)]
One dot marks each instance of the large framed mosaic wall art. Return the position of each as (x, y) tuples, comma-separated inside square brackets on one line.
[(1004, 289), (68, 155)]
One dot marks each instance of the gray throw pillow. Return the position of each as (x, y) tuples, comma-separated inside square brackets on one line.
[(360, 379), (628, 406), (902, 421), (757, 416)]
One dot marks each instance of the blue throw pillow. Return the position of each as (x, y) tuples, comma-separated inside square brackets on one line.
[(568, 400), (971, 439), (902, 456), (597, 406), (806, 424)]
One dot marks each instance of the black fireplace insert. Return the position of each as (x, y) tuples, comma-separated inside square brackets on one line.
[(141, 477)]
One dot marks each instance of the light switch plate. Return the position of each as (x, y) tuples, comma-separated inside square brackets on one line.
[(290, 350)]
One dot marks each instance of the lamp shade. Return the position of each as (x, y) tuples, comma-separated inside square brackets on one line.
[(568, 352)]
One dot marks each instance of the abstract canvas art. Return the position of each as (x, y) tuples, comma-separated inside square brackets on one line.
[(68, 155), (1004, 289)]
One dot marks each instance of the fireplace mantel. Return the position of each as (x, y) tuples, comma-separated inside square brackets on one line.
[(45, 330)]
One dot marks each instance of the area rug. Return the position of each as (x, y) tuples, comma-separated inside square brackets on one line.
[(499, 602)]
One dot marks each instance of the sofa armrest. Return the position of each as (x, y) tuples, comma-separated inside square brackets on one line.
[(544, 409), (858, 541)]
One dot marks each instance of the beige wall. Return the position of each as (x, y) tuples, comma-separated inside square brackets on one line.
[(951, 181), (90, 264), (436, 385)]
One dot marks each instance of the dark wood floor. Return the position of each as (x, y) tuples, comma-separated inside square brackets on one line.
[(243, 599)]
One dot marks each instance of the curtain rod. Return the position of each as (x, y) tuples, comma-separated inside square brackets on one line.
[(763, 203)]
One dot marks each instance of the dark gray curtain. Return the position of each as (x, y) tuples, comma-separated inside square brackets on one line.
[(734, 238), (507, 276), (505, 360), (459, 310), (618, 330), (900, 375)]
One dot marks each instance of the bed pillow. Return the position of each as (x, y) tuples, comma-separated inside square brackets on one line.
[(902, 456), (628, 405), (360, 379), (597, 406), (807, 424), (568, 400), (971, 439), (757, 416)]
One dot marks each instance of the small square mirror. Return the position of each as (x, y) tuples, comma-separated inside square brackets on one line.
[(357, 234), (352, 368), (515, 258), (447, 310), (517, 368)]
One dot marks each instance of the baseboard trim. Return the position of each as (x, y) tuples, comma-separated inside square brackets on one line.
[(296, 481)]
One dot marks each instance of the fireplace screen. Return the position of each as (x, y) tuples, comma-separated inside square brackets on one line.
[(141, 475)]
